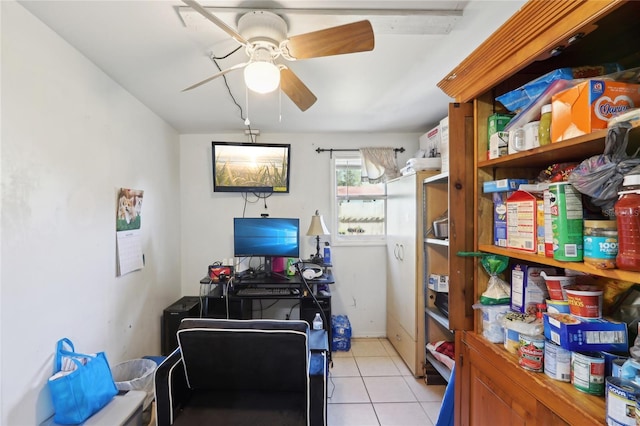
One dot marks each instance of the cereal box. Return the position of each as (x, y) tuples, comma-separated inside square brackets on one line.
[(588, 106)]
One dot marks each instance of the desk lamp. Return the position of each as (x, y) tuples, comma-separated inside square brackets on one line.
[(316, 229)]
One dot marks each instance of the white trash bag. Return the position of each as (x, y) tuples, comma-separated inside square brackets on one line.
[(136, 374)]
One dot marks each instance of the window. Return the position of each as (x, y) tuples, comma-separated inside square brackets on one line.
[(360, 207)]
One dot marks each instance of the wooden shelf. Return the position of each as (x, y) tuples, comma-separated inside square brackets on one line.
[(617, 274), (575, 149), (494, 389)]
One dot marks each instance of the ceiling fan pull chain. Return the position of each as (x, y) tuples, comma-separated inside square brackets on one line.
[(246, 104), (279, 106)]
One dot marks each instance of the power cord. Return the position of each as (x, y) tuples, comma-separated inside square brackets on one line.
[(215, 59), (313, 296)]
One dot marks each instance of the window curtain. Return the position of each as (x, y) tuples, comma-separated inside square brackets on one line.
[(378, 164)]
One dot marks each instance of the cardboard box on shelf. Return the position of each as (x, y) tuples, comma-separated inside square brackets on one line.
[(575, 334), (528, 288), (444, 144), (500, 218), (439, 283), (501, 190), (430, 142), (496, 123), (589, 105), (498, 145), (503, 185), (522, 221)]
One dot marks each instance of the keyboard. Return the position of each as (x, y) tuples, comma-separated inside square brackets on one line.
[(266, 291)]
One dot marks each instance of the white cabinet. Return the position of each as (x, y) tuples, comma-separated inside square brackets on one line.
[(405, 275)]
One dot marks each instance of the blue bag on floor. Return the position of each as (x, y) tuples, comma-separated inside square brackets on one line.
[(341, 333), (81, 385), (445, 417)]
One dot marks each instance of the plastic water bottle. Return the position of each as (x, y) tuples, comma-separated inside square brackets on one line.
[(317, 322)]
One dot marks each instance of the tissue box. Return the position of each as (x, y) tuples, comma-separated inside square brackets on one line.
[(576, 334), (588, 106), (439, 283)]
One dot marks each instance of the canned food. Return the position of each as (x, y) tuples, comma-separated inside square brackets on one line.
[(531, 352), (587, 372)]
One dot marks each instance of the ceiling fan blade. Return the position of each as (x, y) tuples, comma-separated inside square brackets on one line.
[(349, 38), (296, 90), (221, 73), (223, 26)]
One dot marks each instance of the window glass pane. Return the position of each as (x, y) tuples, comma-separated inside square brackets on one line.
[(361, 218), (349, 181), (360, 206)]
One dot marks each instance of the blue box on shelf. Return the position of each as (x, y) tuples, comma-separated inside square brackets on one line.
[(576, 334), (503, 185)]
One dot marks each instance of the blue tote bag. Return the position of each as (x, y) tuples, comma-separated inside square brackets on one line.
[(82, 384)]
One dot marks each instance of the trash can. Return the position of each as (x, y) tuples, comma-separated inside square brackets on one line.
[(136, 374)]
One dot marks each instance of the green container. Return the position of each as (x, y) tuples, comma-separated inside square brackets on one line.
[(497, 123), (566, 222)]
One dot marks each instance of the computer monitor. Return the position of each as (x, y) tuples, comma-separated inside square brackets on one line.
[(266, 237)]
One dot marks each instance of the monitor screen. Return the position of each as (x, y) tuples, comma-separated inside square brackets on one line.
[(266, 236), (250, 167)]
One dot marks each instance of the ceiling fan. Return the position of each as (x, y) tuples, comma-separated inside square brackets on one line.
[(264, 36)]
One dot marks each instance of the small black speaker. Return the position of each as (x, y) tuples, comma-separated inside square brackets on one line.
[(187, 307)]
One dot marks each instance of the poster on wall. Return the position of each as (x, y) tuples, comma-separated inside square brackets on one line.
[(128, 239)]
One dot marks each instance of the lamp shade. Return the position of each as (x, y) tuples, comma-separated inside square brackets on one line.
[(317, 226), (262, 76)]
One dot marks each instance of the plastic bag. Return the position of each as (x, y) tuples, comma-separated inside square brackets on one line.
[(600, 177), (136, 374), (498, 291)]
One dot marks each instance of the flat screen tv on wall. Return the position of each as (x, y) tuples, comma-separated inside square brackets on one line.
[(251, 167)]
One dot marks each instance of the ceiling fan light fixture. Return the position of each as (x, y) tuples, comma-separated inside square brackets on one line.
[(262, 76)]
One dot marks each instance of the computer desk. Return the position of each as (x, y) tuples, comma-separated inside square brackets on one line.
[(221, 300)]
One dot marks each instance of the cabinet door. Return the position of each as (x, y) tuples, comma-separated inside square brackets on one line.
[(493, 397), (401, 247), (461, 214)]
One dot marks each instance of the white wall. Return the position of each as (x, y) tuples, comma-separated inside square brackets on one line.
[(70, 137), (207, 218)]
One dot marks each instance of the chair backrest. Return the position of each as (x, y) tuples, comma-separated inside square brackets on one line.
[(260, 355)]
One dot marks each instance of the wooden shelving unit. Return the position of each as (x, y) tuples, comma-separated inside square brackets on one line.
[(491, 388)]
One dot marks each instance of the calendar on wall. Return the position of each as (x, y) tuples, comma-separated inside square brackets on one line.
[(128, 235)]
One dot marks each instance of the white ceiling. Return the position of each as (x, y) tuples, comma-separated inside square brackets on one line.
[(147, 48)]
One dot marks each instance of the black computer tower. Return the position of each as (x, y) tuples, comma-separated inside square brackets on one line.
[(186, 307), (309, 308)]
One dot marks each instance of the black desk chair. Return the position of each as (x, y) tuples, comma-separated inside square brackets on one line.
[(241, 372)]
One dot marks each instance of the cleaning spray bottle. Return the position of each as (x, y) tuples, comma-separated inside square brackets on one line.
[(327, 252)]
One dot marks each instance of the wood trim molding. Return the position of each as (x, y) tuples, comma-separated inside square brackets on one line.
[(540, 25)]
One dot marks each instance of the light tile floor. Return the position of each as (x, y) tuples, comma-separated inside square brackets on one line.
[(371, 386)]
